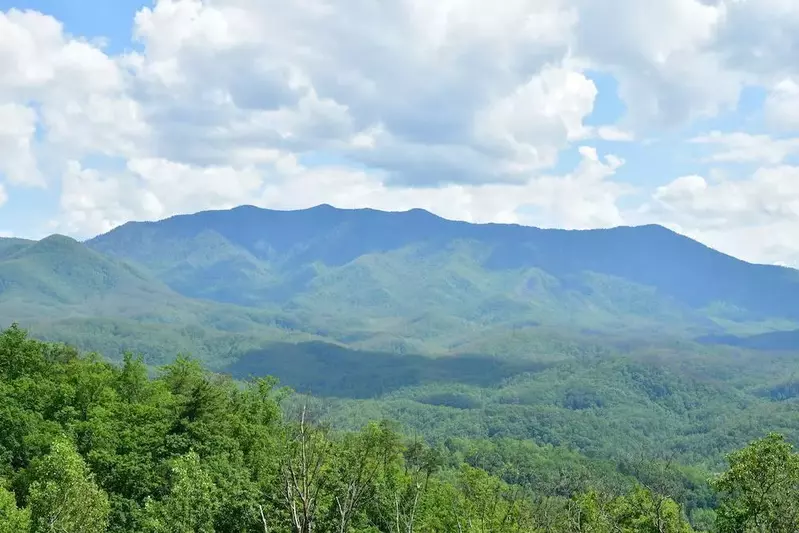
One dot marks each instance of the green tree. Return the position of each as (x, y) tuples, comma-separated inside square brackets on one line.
[(639, 511), (306, 474), (190, 506), (63, 496), (364, 460), (12, 519), (19, 355), (132, 381), (643, 511), (760, 490)]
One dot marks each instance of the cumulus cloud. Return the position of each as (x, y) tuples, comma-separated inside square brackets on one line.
[(663, 55), (756, 217), (17, 159), (461, 107), (94, 202), (472, 95)]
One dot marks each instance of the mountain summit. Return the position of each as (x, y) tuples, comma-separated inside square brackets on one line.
[(412, 271)]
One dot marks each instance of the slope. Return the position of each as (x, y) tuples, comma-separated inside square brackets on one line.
[(65, 291), (413, 275), (43, 278)]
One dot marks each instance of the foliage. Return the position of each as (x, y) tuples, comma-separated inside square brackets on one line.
[(63, 497), (760, 491), (91, 446), (12, 519), (221, 284)]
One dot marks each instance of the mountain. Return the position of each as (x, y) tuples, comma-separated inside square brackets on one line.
[(63, 290), (40, 278), (770, 341), (412, 277), (219, 284)]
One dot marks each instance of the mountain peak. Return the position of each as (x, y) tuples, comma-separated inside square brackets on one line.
[(55, 244), (646, 263), (59, 239)]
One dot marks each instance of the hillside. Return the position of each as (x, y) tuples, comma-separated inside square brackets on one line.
[(42, 279), (92, 447), (62, 290), (219, 284), (414, 278), (557, 361)]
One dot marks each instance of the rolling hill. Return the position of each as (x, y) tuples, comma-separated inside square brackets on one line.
[(42, 279)]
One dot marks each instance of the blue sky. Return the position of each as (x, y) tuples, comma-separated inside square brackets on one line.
[(556, 113)]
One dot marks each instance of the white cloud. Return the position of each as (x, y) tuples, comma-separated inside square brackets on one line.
[(79, 92), (612, 133), (760, 37), (740, 147), (17, 130), (148, 189), (458, 106), (472, 94), (533, 123), (782, 105), (756, 218), (94, 202), (663, 56)]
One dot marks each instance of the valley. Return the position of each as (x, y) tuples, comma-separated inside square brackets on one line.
[(515, 350)]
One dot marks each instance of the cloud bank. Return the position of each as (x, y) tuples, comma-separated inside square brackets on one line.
[(475, 111)]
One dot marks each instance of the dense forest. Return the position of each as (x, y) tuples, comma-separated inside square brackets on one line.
[(89, 446)]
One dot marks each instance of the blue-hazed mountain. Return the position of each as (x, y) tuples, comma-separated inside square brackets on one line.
[(412, 275)]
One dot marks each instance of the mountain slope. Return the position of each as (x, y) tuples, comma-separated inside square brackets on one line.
[(59, 272), (381, 272), (62, 290)]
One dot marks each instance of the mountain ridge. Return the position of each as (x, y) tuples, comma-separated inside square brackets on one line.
[(328, 208), (400, 282), (289, 251)]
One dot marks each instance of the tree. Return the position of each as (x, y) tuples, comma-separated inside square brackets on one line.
[(639, 511), (644, 511), (63, 496), (190, 506), (363, 460), (19, 355), (409, 486), (12, 519), (489, 504), (132, 379), (760, 490), (305, 473)]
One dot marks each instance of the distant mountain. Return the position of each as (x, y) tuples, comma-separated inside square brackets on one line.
[(770, 341), (64, 290), (39, 279), (222, 283), (412, 275)]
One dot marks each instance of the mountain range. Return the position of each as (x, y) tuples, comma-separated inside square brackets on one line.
[(220, 283)]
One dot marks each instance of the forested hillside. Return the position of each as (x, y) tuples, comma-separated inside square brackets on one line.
[(87, 446), (446, 377), (221, 284), (428, 281)]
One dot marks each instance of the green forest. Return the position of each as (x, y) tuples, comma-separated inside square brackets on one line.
[(333, 370), (91, 446)]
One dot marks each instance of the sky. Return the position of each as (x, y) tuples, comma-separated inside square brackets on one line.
[(553, 113)]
